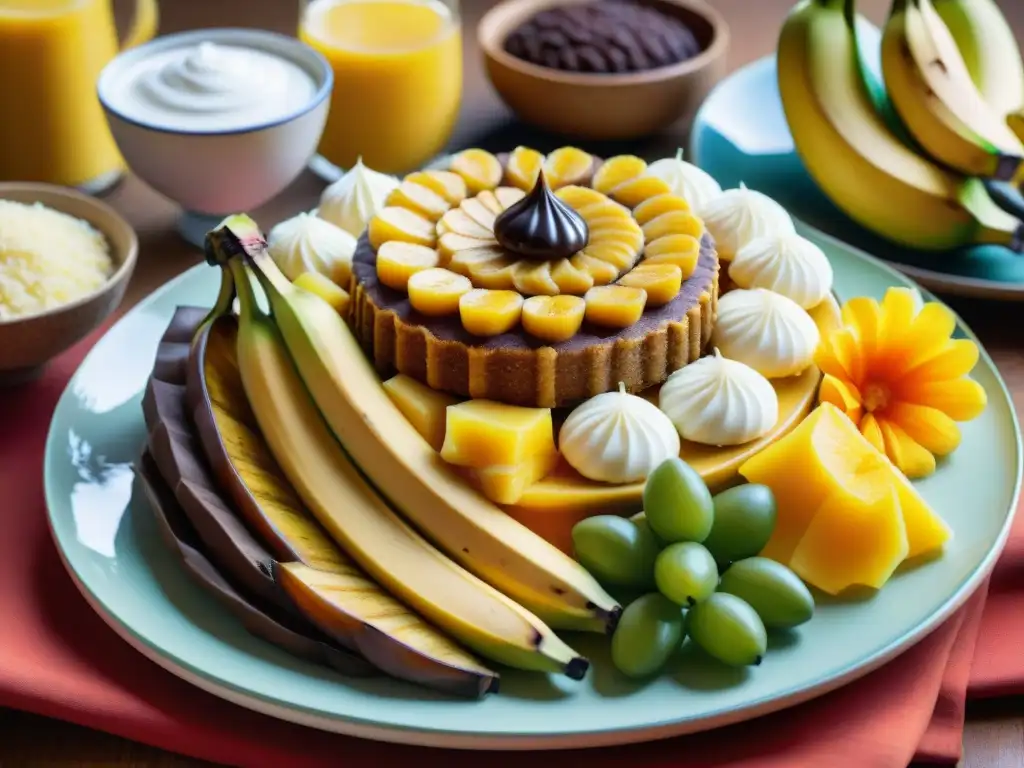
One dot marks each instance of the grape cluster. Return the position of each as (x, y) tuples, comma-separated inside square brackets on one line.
[(606, 37)]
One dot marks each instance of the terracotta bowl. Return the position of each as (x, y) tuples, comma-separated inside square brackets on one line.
[(28, 343), (604, 107)]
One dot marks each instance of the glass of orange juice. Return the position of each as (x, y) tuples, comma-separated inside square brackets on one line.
[(397, 80)]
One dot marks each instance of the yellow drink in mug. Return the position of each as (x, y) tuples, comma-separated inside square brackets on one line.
[(52, 127), (397, 78)]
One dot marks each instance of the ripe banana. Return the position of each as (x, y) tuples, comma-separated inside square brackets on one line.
[(856, 159), (402, 465), (933, 93), (386, 547), (989, 49)]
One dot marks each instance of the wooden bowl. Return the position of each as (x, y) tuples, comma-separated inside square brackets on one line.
[(28, 343), (597, 106)]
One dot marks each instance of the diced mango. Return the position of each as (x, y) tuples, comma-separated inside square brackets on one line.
[(479, 213), (635, 191), (569, 279), (326, 289), (451, 243), (505, 485), (397, 223), (418, 198), (673, 223), (616, 170), (483, 433), (436, 292), (462, 262), (553, 318), (458, 221), (495, 274), (567, 165), (508, 196), (600, 271), (423, 407), (523, 167), (661, 282), (490, 313), (578, 198), (533, 278), (681, 250), (653, 207), (615, 306), (852, 545), (448, 185), (478, 168), (398, 261)]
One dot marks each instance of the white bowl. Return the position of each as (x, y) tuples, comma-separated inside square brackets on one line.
[(214, 173)]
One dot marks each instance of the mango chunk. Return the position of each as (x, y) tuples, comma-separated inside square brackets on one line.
[(436, 292), (567, 165), (653, 207), (448, 185), (826, 459), (418, 198), (483, 433), (423, 407), (636, 191), (506, 485), (398, 261), (478, 168), (616, 170), (397, 223), (490, 313), (661, 282), (852, 545), (615, 306), (673, 223), (681, 250), (553, 318), (326, 289), (523, 167)]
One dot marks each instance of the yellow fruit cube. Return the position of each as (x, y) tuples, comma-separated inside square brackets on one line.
[(458, 221), (398, 261), (436, 292), (661, 282), (617, 170), (569, 279), (420, 199), (615, 306), (423, 407), (479, 213), (635, 191), (478, 168), (601, 271), (495, 274), (326, 289), (567, 165), (553, 318), (490, 313), (451, 243), (448, 185), (673, 223), (533, 278), (508, 196), (578, 198), (397, 223), (463, 261), (681, 250), (523, 167), (483, 433), (653, 207), (506, 485)]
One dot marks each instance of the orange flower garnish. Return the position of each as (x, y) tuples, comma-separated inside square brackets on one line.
[(898, 374)]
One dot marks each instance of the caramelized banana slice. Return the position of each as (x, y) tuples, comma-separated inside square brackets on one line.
[(490, 201), (398, 261), (653, 207), (436, 292), (569, 279), (479, 213), (478, 168), (458, 221), (673, 223), (661, 282), (508, 196), (635, 191), (620, 255), (577, 197), (463, 261), (490, 313), (448, 185), (614, 306), (533, 278), (523, 167), (451, 243), (567, 165), (495, 274), (616, 170), (681, 250), (418, 198), (397, 223), (601, 271), (553, 318)]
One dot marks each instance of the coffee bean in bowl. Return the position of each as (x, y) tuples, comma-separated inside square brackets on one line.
[(606, 37)]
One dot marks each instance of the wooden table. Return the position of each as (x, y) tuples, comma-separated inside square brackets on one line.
[(995, 732)]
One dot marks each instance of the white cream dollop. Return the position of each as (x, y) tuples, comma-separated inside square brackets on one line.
[(355, 198), (763, 329), (717, 401), (617, 437), (739, 215), (690, 182), (785, 263), (306, 243)]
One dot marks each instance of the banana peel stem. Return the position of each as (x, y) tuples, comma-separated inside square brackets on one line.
[(222, 306), (243, 281)]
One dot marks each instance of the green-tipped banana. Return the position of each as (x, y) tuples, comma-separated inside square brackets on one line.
[(932, 91), (856, 159), (405, 469), (387, 548)]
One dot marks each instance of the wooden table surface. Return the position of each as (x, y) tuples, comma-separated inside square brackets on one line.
[(995, 731)]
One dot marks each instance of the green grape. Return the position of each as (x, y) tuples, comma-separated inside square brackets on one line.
[(744, 521), (649, 632), (727, 628), (677, 503), (775, 592), (616, 551), (686, 573)]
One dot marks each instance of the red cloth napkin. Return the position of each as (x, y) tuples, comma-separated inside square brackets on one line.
[(57, 658)]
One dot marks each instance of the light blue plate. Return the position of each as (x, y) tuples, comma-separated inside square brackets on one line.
[(105, 533), (740, 134)]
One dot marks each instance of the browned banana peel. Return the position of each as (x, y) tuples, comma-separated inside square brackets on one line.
[(263, 622)]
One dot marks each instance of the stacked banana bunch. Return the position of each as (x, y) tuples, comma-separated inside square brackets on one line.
[(931, 158)]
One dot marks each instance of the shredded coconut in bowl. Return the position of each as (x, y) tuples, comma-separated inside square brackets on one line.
[(47, 258)]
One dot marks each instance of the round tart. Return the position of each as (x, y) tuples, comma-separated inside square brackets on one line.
[(533, 280)]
